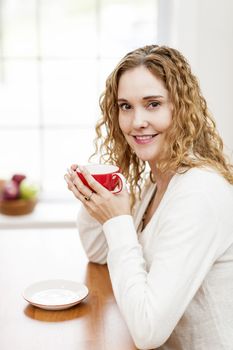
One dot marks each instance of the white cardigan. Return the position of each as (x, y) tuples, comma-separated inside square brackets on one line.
[(174, 281)]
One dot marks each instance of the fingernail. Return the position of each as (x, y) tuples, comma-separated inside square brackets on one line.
[(70, 171)]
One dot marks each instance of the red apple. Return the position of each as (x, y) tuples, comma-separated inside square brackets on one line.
[(18, 178), (11, 190)]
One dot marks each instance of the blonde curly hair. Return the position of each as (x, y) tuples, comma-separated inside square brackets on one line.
[(191, 141)]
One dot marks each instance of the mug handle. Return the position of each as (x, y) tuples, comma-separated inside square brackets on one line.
[(121, 183)]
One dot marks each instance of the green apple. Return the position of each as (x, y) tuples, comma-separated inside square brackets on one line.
[(28, 190)]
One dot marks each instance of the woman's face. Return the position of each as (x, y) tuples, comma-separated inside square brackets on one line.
[(145, 112)]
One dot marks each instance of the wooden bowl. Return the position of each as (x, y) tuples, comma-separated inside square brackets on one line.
[(17, 206), (2, 183)]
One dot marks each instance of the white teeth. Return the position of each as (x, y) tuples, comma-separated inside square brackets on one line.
[(144, 137)]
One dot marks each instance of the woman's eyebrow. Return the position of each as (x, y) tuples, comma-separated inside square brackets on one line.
[(121, 100), (144, 98), (153, 96)]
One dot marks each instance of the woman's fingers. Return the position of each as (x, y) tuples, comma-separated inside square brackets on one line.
[(70, 184), (74, 166), (99, 202), (81, 191), (76, 186), (95, 185)]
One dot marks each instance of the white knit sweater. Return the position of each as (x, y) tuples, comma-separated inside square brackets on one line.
[(173, 282)]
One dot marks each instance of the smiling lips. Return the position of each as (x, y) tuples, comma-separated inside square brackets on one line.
[(143, 139)]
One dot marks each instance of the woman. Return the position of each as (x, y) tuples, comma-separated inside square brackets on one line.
[(169, 242)]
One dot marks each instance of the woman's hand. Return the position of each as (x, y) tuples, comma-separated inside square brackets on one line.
[(101, 204)]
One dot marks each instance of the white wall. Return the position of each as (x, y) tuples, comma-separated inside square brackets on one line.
[(203, 31)]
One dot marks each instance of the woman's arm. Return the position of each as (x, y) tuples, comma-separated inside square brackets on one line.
[(92, 237), (184, 247)]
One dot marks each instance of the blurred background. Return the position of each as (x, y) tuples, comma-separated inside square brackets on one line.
[(55, 56)]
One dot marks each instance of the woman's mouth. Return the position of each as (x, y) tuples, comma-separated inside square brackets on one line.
[(144, 139)]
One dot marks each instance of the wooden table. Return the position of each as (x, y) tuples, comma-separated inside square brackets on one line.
[(31, 255)]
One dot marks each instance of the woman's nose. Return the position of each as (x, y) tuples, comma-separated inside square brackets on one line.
[(139, 119)]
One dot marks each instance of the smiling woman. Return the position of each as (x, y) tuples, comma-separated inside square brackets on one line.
[(168, 239), (144, 118)]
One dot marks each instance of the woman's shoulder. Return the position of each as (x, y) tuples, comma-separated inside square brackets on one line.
[(196, 191), (205, 180), (202, 175)]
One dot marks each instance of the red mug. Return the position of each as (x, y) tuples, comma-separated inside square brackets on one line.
[(107, 175)]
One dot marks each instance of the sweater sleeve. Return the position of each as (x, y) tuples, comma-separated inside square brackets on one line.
[(92, 237), (184, 247)]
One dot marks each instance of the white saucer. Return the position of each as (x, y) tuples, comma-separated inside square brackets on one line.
[(55, 294)]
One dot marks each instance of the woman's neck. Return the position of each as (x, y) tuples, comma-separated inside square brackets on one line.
[(162, 179)]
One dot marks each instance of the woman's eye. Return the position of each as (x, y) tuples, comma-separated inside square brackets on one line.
[(154, 104), (124, 106)]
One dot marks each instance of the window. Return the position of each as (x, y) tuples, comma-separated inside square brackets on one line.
[(54, 58)]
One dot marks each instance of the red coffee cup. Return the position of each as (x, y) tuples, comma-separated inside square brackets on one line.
[(107, 175)]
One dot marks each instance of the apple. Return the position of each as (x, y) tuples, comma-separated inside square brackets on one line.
[(10, 190), (18, 178), (28, 190)]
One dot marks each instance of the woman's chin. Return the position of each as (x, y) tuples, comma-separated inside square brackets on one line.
[(146, 157)]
